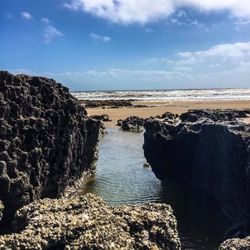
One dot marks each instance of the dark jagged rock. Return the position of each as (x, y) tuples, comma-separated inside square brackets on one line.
[(215, 115), (132, 123), (46, 140), (86, 222), (209, 149), (107, 103), (168, 117), (136, 124), (104, 117), (101, 118)]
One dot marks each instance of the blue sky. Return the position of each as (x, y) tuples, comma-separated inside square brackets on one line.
[(128, 44)]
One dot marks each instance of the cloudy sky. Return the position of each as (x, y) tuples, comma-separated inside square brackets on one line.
[(128, 44)]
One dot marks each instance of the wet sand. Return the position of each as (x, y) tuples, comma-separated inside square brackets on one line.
[(158, 108)]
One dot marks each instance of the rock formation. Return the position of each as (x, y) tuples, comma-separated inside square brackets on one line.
[(107, 103), (46, 140), (209, 149), (101, 118), (88, 223), (136, 124), (132, 123), (236, 244), (104, 118)]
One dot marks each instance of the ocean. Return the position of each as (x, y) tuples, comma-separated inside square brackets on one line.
[(167, 95)]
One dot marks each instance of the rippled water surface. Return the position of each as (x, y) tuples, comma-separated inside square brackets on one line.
[(121, 179)]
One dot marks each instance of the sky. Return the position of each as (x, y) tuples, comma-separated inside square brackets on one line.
[(128, 44)]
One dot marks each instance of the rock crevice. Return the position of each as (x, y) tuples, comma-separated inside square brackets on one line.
[(86, 222)]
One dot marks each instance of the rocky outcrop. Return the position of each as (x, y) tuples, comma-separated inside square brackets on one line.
[(236, 244), (104, 117), (209, 149), (132, 123), (107, 103), (136, 124), (46, 140), (88, 223), (101, 118)]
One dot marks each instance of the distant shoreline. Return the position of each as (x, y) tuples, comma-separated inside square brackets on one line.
[(160, 107)]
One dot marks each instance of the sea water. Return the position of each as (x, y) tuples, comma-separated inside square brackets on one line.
[(168, 95), (121, 179)]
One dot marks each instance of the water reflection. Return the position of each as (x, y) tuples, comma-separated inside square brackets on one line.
[(120, 176), (200, 220), (121, 179)]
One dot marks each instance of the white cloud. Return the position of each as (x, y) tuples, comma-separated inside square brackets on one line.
[(124, 11), (100, 37), (124, 79), (239, 8), (143, 11), (177, 21), (199, 25), (181, 18), (178, 77), (45, 20), (228, 54), (21, 71), (26, 15), (243, 21), (224, 52), (50, 32), (223, 65)]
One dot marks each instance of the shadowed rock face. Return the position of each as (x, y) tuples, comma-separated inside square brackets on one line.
[(46, 140), (88, 223), (210, 150)]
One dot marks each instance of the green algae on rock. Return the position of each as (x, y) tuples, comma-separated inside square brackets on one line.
[(86, 222)]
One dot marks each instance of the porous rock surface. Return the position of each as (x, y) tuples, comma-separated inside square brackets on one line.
[(209, 149), (136, 124), (46, 140), (236, 244), (86, 222), (131, 123)]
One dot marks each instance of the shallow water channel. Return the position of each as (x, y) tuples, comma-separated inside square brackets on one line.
[(121, 179)]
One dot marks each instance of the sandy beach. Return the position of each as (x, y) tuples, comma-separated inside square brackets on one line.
[(158, 108)]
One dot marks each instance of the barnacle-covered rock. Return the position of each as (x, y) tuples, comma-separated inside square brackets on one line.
[(86, 222), (236, 244)]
